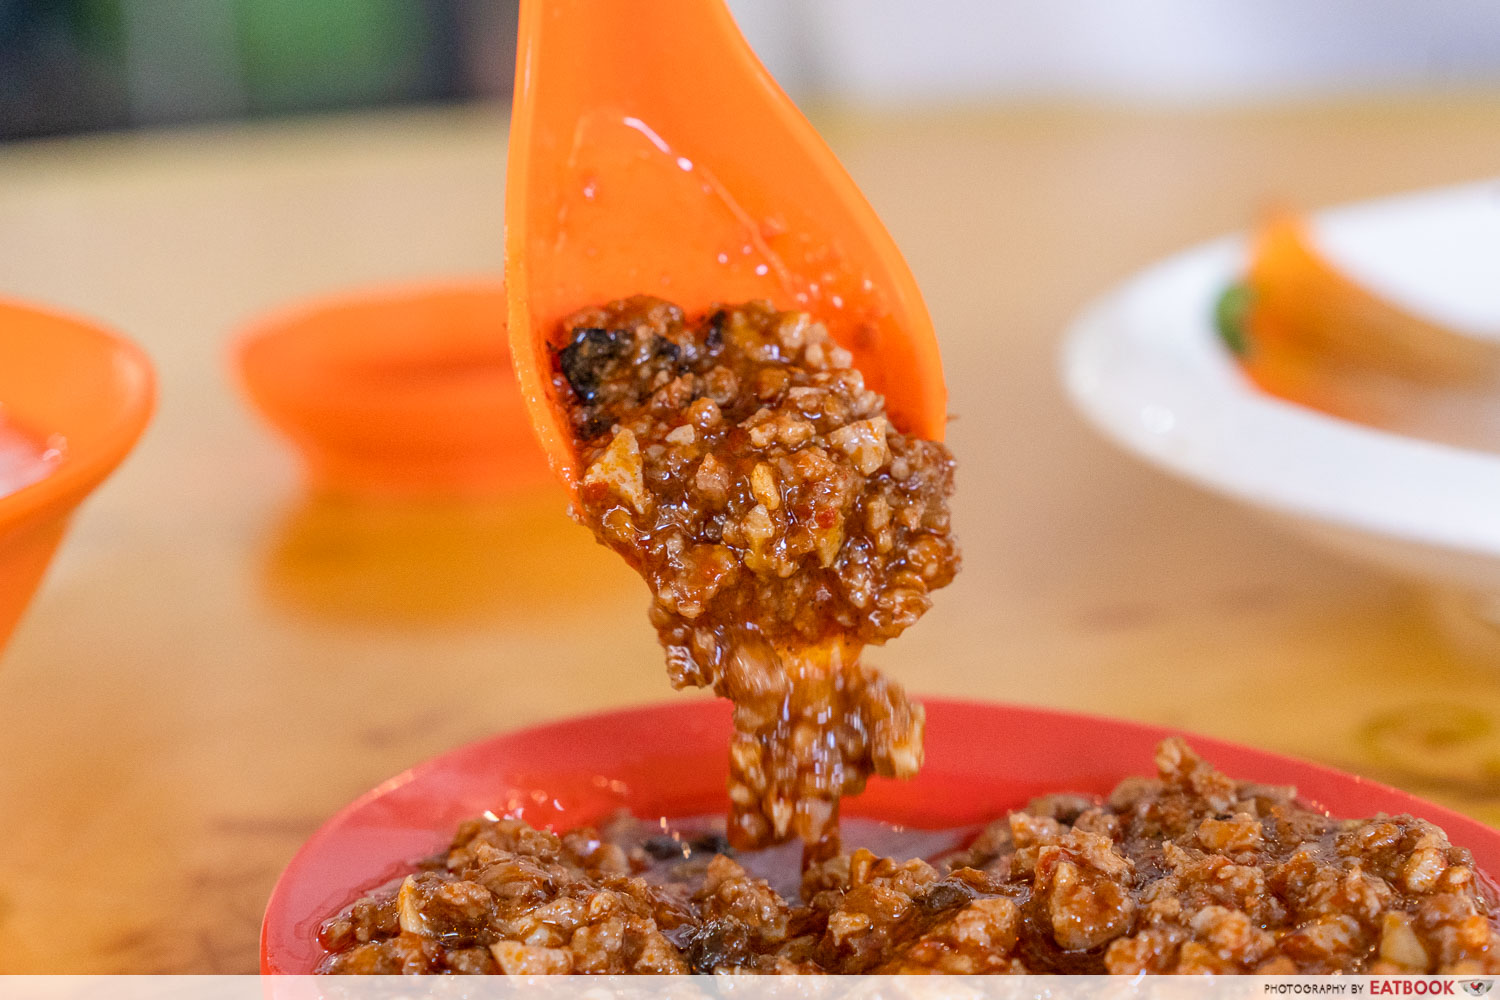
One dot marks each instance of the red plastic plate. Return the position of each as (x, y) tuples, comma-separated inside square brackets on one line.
[(669, 760)]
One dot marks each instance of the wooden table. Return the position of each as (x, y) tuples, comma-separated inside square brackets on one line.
[(218, 662)]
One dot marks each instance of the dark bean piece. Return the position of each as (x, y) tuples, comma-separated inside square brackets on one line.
[(715, 337), (661, 347), (711, 843), (718, 944), (663, 847), (585, 360), (949, 894), (595, 425)]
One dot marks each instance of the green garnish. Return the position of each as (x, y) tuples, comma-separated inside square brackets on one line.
[(1231, 318)]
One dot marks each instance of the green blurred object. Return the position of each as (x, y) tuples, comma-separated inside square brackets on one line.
[(78, 65), (95, 24), (1231, 315), (302, 55)]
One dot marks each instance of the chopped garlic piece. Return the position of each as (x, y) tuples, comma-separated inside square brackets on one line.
[(410, 918), (864, 442), (620, 469)]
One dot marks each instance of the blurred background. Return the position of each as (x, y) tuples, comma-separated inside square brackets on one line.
[(81, 65), (221, 656)]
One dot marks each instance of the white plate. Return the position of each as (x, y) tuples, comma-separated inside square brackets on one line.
[(1146, 367)]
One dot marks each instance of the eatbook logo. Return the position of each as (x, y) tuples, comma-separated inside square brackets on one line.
[(1478, 987)]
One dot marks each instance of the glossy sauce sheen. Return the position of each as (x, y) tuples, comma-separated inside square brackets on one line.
[(679, 849), (739, 462), (1190, 872)]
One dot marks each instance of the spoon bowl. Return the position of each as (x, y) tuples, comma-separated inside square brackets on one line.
[(651, 153)]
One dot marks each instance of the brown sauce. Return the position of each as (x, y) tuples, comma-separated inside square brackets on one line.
[(680, 849), (1188, 872), (738, 461)]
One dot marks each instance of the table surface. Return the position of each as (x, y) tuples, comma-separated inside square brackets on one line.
[(218, 661)]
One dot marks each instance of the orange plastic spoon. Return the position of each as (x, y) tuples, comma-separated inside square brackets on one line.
[(651, 152)]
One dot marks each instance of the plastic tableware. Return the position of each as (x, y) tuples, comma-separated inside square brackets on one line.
[(669, 760), (88, 393), (650, 152), (396, 391)]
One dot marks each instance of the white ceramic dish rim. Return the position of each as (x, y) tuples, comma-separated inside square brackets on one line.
[(1145, 366)]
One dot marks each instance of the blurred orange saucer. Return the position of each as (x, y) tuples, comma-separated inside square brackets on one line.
[(396, 391)]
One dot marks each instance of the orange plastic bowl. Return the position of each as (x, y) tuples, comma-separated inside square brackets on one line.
[(396, 391), (69, 380)]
